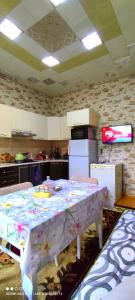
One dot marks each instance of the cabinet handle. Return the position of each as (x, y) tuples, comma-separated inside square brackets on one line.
[(5, 181)]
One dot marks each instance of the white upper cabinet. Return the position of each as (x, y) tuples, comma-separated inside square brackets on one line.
[(65, 131), (44, 128), (84, 116), (5, 120), (53, 124), (57, 128), (38, 125), (20, 119)]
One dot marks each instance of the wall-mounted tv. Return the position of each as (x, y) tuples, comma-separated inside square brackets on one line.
[(117, 134)]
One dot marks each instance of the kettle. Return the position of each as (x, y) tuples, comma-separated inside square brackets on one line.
[(19, 157)]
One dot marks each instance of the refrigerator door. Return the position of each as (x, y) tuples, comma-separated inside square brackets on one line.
[(84, 148), (78, 166)]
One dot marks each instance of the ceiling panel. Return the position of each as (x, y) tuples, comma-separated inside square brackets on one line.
[(70, 51), (6, 6), (31, 46), (125, 11), (29, 12), (75, 16), (103, 17), (57, 31), (82, 58), (20, 53), (117, 47), (52, 33)]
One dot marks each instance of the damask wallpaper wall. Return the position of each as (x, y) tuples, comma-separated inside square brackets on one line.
[(114, 100), (14, 93)]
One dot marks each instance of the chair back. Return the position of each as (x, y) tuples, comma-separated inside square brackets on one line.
[(14, 188), (83, 179)]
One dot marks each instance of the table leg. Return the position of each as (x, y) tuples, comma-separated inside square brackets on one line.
[(99, 229), (29, 285), (56, 260), (78, 246)]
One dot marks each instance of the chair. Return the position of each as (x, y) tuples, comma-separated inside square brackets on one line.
[(14, 188), (83, 179)]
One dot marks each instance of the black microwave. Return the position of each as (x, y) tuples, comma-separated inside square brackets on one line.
[(83, 132)]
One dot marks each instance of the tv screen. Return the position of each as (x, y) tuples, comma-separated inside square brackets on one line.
[(117, 134)]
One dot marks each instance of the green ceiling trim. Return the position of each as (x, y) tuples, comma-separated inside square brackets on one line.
[(21, 53), (81, 59), (7, 5), (102, 16)]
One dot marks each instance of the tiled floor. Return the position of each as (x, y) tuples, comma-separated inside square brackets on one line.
[(127, 201)]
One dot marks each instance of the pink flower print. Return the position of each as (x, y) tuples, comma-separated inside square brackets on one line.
[(67, 199), (21, 227), (77, 226), (33, 211)]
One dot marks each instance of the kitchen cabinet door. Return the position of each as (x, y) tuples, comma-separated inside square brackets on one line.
[(24, 174), (45, 170), (59, 170), (65, 131), (9, 176), (5, 120), (55, 170), (84, 116), (38, 125), (20, 120), (53, 128)]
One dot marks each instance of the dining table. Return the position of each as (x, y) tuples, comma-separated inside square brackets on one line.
[(42, 227)]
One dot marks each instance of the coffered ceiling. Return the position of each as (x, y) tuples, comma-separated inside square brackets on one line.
[(57, 31)]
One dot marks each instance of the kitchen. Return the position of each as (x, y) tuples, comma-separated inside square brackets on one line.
[(53, 162), (97, 86), (35, 99)]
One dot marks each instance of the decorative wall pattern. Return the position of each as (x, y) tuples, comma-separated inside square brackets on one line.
[(14, 93), (115, 102)]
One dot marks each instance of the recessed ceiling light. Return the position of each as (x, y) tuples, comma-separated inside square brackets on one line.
[(50, 61), (9, 29), (92, 40), (57, 2)]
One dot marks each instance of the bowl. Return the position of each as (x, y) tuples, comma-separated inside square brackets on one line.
[(57, 188)]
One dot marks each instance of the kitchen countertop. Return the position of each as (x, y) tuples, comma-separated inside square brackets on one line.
[(3, 165)]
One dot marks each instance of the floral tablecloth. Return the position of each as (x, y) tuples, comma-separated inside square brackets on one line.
[(43, 227)]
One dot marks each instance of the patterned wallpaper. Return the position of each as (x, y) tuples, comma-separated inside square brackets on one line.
[(16, 94), (115, 102)]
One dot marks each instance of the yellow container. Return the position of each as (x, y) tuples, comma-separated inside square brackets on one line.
[(42, 194)]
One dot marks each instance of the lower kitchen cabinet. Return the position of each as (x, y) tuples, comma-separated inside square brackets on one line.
[(45, 170), (9, 176), (35, 173), (58, 170), (24, 173), (65, 170)]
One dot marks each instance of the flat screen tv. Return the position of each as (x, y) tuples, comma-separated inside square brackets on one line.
[(117, 134)]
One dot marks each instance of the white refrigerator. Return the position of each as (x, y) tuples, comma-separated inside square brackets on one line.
[(81, 154)]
